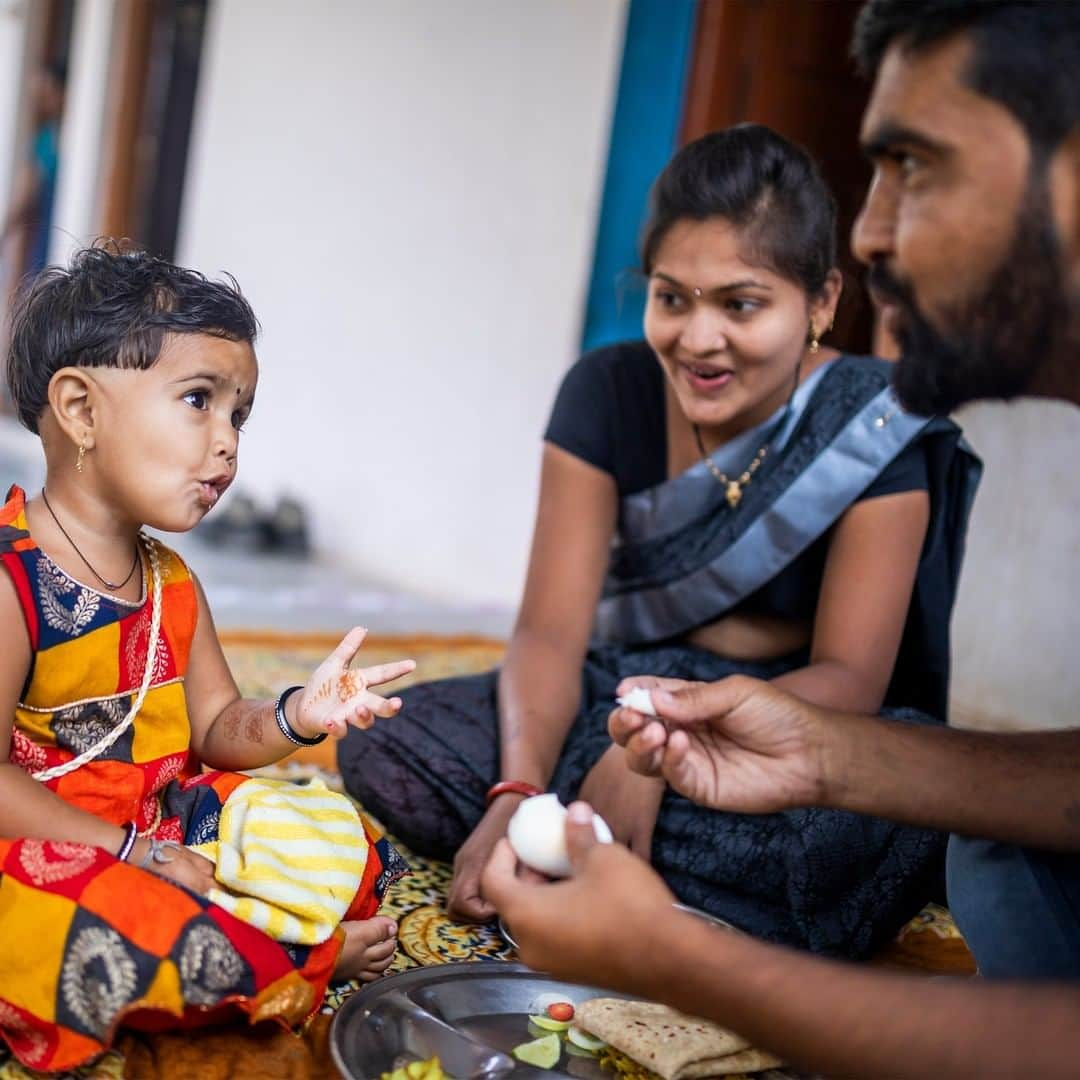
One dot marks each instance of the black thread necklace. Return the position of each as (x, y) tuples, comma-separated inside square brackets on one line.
[(112, 586)]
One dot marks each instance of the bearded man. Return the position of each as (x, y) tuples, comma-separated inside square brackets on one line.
[(971, 232)]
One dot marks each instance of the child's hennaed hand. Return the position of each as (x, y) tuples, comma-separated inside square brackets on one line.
[(337, 695)]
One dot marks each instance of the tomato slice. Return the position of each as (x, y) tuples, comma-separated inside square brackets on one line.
[(561, 1010)]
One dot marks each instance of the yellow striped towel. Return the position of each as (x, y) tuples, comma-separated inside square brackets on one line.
[(289, 858)]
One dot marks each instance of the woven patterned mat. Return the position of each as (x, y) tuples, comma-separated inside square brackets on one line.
[(263, 665)]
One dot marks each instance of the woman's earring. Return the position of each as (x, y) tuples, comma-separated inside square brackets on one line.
[(815, 341), (79, 459)]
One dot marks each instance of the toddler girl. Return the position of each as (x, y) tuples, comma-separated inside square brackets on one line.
[(115, 698)]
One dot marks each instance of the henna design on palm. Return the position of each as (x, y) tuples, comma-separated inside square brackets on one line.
[(338, 695), (349, 685)]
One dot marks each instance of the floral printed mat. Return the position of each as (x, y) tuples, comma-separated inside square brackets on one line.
[(263, 665)]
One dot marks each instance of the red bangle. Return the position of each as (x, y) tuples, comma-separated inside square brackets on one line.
[(516, 787)]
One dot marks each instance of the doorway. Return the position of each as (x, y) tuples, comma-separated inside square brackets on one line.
[(27, 220), (159, 52), (785, 63)]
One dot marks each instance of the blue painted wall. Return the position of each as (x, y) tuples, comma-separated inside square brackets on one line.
[(644, 133)]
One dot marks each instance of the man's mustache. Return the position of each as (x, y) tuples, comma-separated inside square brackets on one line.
[(885, 285)]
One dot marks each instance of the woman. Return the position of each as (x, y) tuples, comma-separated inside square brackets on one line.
[(728, 495)]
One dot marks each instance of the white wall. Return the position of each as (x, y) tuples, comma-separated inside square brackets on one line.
[(1017, 622), (13, 19), (407, 192), (76, 215), (20, 28)]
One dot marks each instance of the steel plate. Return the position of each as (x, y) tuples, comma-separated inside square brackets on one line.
[(488, 1000)]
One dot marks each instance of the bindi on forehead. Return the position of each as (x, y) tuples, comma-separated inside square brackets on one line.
[(230, 365), (726, 285), (713, 256)]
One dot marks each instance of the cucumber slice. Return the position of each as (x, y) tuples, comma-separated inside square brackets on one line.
[(584, 1040), (543, 1052), (576, 1051), (545, 1023)]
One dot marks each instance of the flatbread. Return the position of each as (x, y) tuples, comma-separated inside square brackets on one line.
[(745, 1061), (670, 1044)]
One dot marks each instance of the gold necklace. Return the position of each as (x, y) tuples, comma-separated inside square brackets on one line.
[(733, 489)]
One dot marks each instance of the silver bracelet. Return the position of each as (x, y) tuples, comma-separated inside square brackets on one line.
[(159, 851), (130, 832), (283, 723)]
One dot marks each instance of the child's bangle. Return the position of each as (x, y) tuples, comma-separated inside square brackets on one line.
[(130, 832), (287, 728)]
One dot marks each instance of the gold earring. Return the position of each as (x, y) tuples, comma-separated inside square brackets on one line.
[(79, 459), (815, 341)]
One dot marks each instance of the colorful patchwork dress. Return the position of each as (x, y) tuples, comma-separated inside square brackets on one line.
[(87, 941)]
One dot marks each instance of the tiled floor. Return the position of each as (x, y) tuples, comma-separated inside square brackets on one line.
[(255, 591)]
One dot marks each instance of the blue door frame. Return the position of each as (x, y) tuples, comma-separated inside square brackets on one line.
[(644, 133)]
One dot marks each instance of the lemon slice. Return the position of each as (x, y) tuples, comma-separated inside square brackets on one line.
[(585, 1040), (545, 1023), (542, 1052)]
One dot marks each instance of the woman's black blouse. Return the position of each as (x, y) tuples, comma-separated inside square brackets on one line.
[(610, 412)]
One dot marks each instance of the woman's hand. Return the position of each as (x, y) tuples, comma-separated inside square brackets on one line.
[(337, 695), (185, 867), (627, 801), (465, 900)]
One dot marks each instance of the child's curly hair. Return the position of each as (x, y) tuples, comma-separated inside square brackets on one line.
[(112, 307)]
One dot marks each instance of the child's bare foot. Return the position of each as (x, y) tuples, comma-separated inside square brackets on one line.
[(368, 949)]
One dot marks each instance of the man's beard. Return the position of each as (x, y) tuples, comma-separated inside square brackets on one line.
[(996, 344)]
